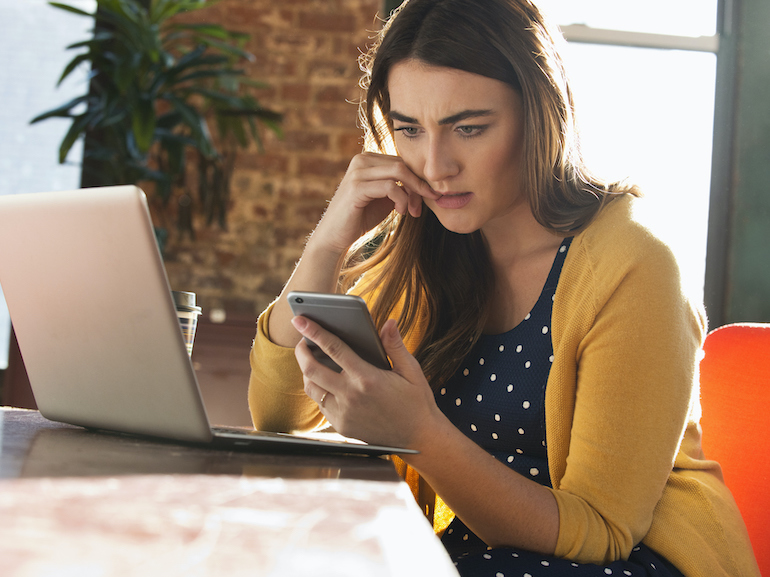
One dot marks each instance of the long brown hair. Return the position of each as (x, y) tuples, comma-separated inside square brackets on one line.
[(443, 280)]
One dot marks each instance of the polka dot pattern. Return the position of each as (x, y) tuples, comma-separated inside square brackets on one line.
[(486, 562), (497, 397)]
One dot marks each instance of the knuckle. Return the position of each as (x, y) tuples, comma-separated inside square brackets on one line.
[(357, 160), (354, 168), (395, 189), (366, 385), (362, 160), (330, 344), (402, 169), (308, 372), (334, 347)]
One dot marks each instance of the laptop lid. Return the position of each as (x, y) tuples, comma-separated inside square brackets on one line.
[(93, 313)]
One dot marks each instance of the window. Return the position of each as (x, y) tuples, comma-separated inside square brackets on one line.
[(34, 38), (644, 81)]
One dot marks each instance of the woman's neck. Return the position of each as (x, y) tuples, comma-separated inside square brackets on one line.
[(516, 238), (521, 253)]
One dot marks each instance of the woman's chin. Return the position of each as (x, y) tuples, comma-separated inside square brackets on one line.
[(456, 225)]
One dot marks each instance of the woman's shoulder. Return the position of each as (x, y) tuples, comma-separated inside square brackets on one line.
[(620, 237), (620, 258), (618, 247)]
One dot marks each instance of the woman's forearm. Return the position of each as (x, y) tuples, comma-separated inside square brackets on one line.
[(317, 271), (502, 507)]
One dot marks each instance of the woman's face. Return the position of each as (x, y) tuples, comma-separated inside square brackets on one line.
[(463, 134)]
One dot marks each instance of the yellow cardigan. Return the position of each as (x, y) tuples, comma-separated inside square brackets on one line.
[(622, 409)]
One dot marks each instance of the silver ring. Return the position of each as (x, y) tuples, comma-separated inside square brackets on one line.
[(323, 398)]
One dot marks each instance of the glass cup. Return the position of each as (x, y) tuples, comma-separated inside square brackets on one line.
[(188, 314)]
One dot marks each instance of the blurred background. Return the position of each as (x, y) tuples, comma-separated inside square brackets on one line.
[(670, 94)]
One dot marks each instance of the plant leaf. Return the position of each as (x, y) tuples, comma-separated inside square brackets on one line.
[(213, 30), (143, 124), (95, 40), (209, 73), (63, 111), (229, 49), (72, 9), (74, 63), (76, 130)]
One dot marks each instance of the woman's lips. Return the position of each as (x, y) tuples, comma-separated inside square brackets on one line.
[(453, 200)]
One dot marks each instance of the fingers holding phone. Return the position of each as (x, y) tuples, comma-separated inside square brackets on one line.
[(376, 406), (318, 355), (345, 316), (344, 328), (362, 401)]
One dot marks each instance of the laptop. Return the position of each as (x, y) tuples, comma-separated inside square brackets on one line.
[(97, 327)]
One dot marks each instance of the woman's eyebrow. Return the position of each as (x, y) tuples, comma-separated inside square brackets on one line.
[(464, 115), (393, 115)]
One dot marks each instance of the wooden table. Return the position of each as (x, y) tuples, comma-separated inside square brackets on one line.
[(85, 503)]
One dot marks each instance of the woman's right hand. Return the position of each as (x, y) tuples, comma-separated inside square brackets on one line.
[(373, 186)]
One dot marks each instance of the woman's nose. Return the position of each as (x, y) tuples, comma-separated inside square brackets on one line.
[(440, 162)]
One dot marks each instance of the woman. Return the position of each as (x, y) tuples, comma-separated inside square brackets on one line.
[(548, 373)]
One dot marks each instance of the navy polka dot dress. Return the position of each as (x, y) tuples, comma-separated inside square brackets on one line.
[(497, 398)]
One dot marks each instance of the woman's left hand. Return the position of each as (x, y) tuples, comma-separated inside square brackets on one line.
[(377, 406), (397, 408)]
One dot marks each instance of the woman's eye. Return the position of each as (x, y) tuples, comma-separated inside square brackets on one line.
[(469, 131), (408, 131)]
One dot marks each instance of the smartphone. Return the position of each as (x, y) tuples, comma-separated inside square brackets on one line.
[(346, 316)]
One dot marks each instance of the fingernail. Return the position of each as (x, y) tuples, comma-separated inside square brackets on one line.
[(300, 323)]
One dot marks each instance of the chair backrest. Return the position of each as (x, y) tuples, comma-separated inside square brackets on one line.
[(735, 398)]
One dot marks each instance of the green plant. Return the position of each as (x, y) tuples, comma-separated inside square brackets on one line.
[(156, 83)]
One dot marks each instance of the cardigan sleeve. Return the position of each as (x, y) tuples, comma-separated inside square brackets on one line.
[(277, 398), (629, 342)]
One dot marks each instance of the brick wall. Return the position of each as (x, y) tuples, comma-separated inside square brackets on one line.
[(306, 50)]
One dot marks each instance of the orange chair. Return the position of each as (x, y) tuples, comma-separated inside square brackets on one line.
[(735, 397)]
